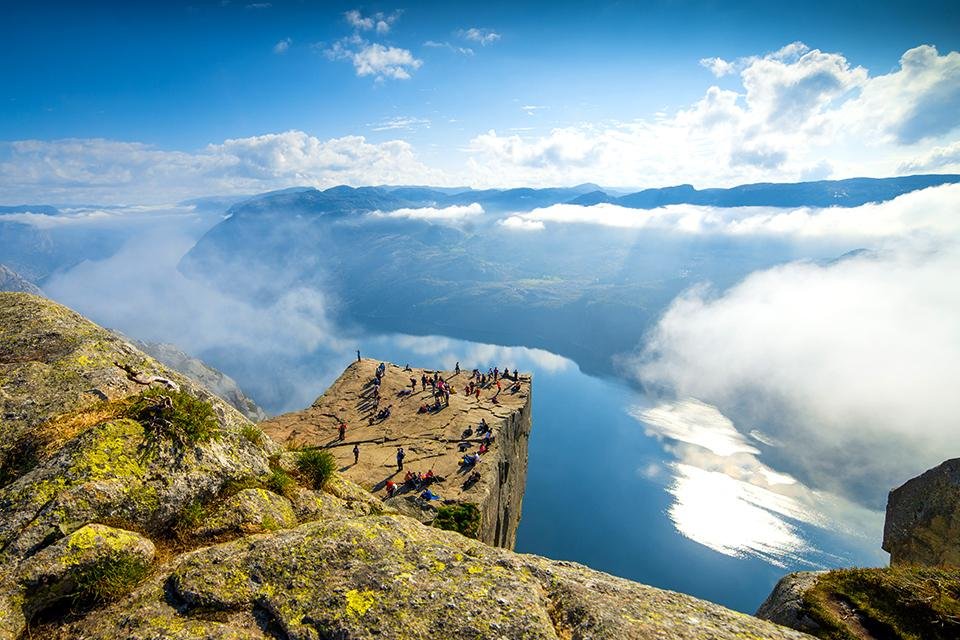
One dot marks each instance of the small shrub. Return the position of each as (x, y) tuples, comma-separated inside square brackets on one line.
[(281, 482), (462, 518), (177, 415), (317, 465)]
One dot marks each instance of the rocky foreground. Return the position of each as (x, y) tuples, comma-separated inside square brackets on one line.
[(136, 504)]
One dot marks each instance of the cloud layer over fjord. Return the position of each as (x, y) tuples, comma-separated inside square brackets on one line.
[(850, 366), (924, 212)]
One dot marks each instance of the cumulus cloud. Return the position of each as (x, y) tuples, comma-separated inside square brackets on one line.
[(945, 157), (379, 22), (453, 214), (483, 37), (796, 107), (282, 46), (718, 66), (923, 213), (109, 171), (375, 59)]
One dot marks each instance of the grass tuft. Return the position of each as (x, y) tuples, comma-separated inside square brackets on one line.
[(109, 581), (282, 483), (317, 465), (175, 415)]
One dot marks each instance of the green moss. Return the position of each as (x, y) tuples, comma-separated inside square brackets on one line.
[(911, 603), (462, 518), (317, 465), (175, 415)]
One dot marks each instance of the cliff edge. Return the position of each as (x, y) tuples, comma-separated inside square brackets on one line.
[(434, 441)]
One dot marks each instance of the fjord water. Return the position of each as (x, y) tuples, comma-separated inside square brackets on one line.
[(599, 488)]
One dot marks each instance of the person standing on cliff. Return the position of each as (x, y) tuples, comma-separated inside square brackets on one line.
[(356, 453), (342, 431), (400, 457), (358, 355)]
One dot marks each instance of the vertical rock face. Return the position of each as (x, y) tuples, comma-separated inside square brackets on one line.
[(432, 441), (923, 518), (501, 511)]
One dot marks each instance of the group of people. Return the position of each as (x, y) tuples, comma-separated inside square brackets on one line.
[(412, 480)]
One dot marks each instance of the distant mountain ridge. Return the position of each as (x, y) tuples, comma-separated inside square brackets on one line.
[(852, 192)]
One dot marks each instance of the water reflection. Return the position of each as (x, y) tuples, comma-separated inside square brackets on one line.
[(725, 498)]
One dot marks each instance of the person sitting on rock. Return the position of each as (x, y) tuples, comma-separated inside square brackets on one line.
[(391, 488), (467, 433), (423, 409), (429, 495), (483, 449), (473, 478)]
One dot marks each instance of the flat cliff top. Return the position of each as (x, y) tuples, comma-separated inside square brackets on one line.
[(430, 440)]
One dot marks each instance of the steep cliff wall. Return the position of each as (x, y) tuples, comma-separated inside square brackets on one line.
[(433, 441)]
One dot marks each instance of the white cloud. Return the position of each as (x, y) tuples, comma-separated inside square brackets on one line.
[(375, 59), (379, 22), (718, 66), (455, 213), (797, 108), (918, 213), (483, 37), (282, 46), (531, 109), (401, 122), (851, 365), (433, 44), (448, 352), (109, 171), (943, 158), (522, 224)]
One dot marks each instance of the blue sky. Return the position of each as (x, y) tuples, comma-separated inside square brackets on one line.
[(178, 77)]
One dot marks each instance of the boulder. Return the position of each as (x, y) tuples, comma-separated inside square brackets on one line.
[(923, 518), (785, 604), (248, 511), (95, 561)]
